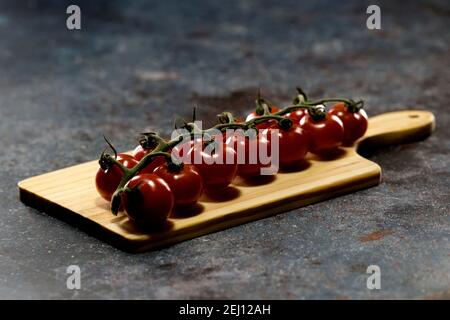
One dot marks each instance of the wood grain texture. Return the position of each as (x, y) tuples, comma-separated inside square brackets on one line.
[(69, 194)]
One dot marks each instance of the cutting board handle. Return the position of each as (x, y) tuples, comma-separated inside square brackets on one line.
[(397, 127)]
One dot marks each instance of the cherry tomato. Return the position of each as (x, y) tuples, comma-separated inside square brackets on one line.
[(273, 109), (355, 123), (241, 143), (293, 145), (181, 150), (140, 152), (107, 181), (326, 135), (297, 115), (149, 200), (218, 168), (185, 183), (265, 124)]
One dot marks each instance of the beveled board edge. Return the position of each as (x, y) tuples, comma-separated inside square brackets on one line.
[(363, 181)]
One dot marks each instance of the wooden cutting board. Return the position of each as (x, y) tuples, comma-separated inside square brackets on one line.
[(70, 195)]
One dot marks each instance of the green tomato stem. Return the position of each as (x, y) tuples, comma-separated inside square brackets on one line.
[(262, 109)]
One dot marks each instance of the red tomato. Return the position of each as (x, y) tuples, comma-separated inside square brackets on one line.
[(296, 116), (265, 124), (355, 123), (326, 135), (215, 175), (181, 150), (243, 144), (149, 201), (140, 152), (273, 109), (107, 181), (224, 133), (186, 183), (293, 145)]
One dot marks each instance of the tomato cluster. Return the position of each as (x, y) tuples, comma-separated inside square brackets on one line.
[(150, 185)]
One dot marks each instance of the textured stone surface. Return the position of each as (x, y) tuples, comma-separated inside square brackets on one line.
[(139, 64)]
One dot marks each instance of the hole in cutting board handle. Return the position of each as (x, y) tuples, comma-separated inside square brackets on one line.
[(414, 116)]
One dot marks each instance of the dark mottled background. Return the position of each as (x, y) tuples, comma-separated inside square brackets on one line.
[(137, 64)]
